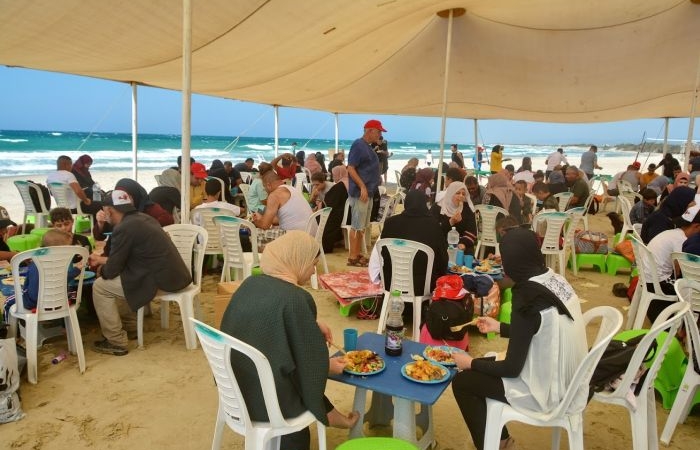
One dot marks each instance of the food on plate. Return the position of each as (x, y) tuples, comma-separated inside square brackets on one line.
[(439, 354), (485, 266), (9, 281), (461, 269), (363, 361), (422, 370)]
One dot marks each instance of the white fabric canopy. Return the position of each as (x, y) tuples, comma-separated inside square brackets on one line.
[(538, 60)]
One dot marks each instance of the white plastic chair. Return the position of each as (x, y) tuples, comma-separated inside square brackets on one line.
[(247, 177), (61, 192), (190, 240), (555, 223), (52, 264), (563, 416), (232, 410), (648, 273), (686, 290), (690, 268), (234, 256), (564, 198), (302, 180), (575, 216), (626, 207), (486, 225), (245, 190), (204, 217), (402, 253), (40, 215), (642, 406), (389, 208), (319, 218), (585, 207)]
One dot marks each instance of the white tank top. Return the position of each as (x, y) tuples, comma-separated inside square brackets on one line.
[(294, 214)]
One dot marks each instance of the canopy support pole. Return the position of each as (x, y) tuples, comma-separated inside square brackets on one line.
[(186, 110), (665, 150), (277, 130), (476, 146), (443, 125), (134, 130), (691, 122), (337, 127)]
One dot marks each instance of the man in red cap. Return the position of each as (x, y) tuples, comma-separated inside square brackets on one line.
[(198, 172), (363, 168)]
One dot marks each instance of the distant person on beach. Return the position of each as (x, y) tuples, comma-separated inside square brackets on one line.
[(247, 166), (63, 174), (363, 168), (286, 206), (648, 176), (142, 260), (555, 159), (457, 156), (669, 163), (81, 170), (429, 158), (285, 166), (478, 157), (496, 164), (589, 161)]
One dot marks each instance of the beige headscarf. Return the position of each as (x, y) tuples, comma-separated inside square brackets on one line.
[(447, 207), (500, 187), (289, 256), (340, 175)]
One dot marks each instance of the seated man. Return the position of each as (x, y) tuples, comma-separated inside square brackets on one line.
[(577, 186), (319, 189), (641, 210), (142, 260), (63, 174), (286, 206), (544, 199), (212, 188), (476, 191)]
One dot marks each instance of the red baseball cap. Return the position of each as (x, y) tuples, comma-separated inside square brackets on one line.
[(450, 287), (199, 171), (377, 125)]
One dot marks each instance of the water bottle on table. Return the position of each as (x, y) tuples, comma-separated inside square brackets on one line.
[(452, 241), (394, 331), (96, 193)]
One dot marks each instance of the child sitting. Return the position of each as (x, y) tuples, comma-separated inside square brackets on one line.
[(62, 219), (544, 198), (525, 202)]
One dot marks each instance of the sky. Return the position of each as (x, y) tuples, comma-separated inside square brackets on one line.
[(37, 100)]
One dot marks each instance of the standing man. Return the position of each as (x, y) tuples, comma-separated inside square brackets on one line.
[(589, 161), (457, 156), (363, 169), (576, 186), (555, 159), (142, 260), (429, 158)]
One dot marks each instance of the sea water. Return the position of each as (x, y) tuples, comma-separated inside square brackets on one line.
[(35, 152)]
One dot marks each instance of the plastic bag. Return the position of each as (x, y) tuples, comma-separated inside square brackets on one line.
[(10, 407)]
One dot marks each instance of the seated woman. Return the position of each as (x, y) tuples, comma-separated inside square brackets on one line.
[(423, 183), (408, 173), (335, 199), (670, 210), (275, 315), (542, 355), (450, 212), (500, 192), (81, 170)]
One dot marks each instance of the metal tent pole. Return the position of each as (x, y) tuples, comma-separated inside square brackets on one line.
[(186, 109), (277, 130), (337, 127), (443, 126), (134, 131), (665, 136)]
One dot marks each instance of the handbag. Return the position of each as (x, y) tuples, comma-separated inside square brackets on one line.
[(588, 242)]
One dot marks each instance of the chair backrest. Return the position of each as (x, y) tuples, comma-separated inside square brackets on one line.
[(217, 347), (25, 188), (247, 177), (687, 290), (191, 242), (577, 391), (486, 222), (159, 180), (319, 218), (346, 213), (388, 209), (301, 180), (555, 221), (626, 208), (564, 198), (648, 271), (402, 253), (624, 186), (52, 264), (397, 174), (205, 217), (230, 232), (689, 265), (61, 192), (669, 320), (588, 202)]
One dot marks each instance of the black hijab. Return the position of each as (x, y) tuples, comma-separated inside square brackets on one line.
[(415, 205), (136, 191), (677, 201), (522, 260)]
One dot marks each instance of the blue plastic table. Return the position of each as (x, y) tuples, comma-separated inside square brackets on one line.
[(390, 384)]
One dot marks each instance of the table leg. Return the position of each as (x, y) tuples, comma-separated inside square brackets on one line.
[(406, 422), (359, 406), (424, 420), (381, 410)]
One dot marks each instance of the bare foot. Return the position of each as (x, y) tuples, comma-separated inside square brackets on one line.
[(337, 420)]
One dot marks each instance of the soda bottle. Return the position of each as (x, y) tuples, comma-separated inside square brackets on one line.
[(452, 241), (393, 332)]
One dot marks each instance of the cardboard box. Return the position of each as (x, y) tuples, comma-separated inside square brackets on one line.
[(222, 298)]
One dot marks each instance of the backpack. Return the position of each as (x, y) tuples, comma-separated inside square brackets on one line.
[(614, 362), (594, 206), (444, 313), (35, 199)]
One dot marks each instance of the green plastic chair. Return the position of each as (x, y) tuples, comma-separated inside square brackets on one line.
[(615, 262), (504, 314), (376, 443), (591, 259), (22, 242), (39, 232), (506, 296)]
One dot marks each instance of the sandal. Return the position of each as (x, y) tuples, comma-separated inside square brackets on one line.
[(358, 262)]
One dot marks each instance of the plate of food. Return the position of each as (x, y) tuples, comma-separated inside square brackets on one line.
[(460, 269), (363, 362), (441, 354), (424, 371), (9, 281)]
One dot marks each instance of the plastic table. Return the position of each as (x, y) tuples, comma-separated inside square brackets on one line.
[(391, 385)]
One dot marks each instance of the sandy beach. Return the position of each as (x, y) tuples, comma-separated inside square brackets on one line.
[(163, 396)]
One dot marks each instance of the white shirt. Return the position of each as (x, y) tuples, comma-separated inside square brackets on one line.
[(65, 177), (197, 219), (661, 247), (294, 214), (525, 175), (554, 159)]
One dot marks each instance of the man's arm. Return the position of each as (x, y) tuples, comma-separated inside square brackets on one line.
[(268, 219), (356, 178)]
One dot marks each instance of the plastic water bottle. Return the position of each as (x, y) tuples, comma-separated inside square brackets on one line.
[(452, 241), (394, 331), (96, 193)]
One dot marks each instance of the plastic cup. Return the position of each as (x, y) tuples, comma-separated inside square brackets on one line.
[(459, 260), (468, 260), (350, 339)]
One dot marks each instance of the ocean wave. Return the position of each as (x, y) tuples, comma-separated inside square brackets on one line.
[(55, 133), (14, 141), (259, 147)]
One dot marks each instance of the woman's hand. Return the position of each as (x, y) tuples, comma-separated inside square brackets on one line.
[(456, 218), (336, 365), (488, 324), (462, 360), (326, 331)]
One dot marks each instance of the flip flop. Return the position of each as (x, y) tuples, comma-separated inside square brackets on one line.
[(357, 262)]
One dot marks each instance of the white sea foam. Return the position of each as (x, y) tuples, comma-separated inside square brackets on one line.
[(14, 140)]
